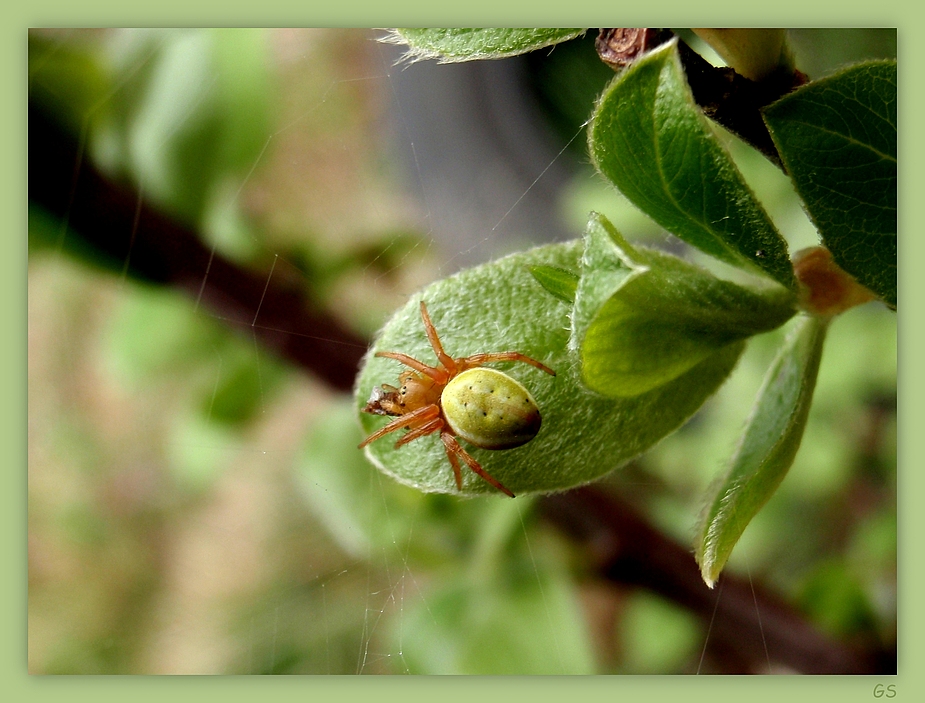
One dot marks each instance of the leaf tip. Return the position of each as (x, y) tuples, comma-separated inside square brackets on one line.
[(412, 53), (710, 566), (558, 282)]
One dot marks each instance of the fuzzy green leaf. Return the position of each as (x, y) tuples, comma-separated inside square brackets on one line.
[(767, 448), (837, 138), (651, 141), (642, 317), (500, 307), (455, 44)]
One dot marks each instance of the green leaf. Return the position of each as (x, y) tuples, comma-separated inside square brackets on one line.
[(198, 451), (468, 44), (642, 317), (754, 53), (837, 138), (651, 141), (500, 307), (507, 607), (767, 448), (244, 385), (834, 598), (68, 81), (657, 635), (363, 514), (558, 282), (204, 118), (232, 382)]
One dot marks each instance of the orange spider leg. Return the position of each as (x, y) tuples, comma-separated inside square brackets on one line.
[(445, 359), (453, 450), (439, 375), (425, 429), (454, 462), (423, 413), (479, 359)]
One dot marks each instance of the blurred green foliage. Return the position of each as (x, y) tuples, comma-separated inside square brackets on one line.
[(195, 505)]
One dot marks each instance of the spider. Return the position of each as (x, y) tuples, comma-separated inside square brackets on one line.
[(458, 398)]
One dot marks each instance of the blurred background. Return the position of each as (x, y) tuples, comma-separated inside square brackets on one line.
[(219, 221)]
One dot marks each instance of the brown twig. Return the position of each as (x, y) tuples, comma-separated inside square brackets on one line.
[(117, 224), (724, 96), (749, 628)]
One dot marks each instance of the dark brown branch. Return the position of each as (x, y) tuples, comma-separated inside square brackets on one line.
[(116, 224), (625, 549), (736, 102), (724, 96)]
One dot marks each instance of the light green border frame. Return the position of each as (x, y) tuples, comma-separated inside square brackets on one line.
[(92, 13)]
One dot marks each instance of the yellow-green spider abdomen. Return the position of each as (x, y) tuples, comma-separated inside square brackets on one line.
[(489, 409)]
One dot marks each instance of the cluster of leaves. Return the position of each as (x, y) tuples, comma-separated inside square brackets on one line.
[(640, 338)]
